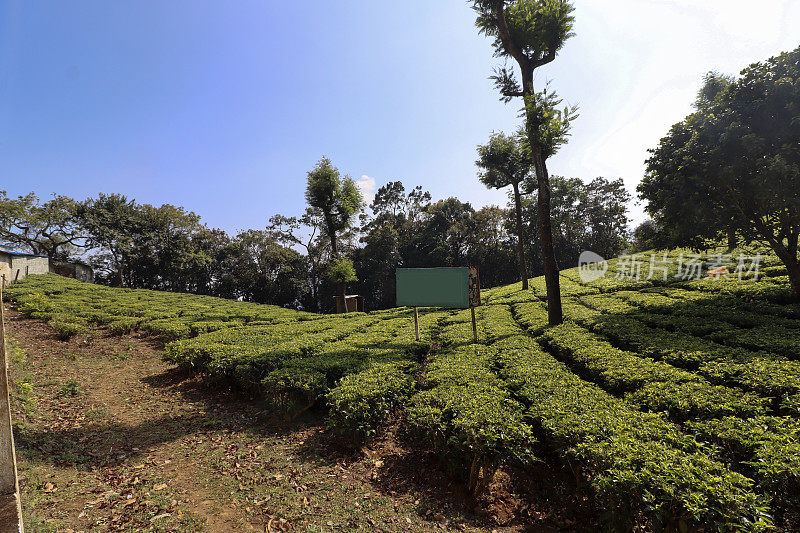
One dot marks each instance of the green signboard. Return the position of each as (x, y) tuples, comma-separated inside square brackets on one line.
[(433, 287)]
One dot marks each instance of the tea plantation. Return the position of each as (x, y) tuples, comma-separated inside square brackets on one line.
[(675, 403)]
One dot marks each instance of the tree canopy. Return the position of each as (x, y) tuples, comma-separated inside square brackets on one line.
[(48, 228), (337, 197), (734, 163), (506, 160)]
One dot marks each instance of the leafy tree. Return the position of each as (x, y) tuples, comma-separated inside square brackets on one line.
[(165, 252), (389, 236), (47, 228), (375, 263), (734, 164), (110, 223), (531, 32), (341, 271), (266, 271), (338, 200), (604, 208), (567, 197), (491, 247), (335, 196), (645, 236), (442, 237), (505, 160), (306, 233), (142, 246), (586, 216), (218, 275)]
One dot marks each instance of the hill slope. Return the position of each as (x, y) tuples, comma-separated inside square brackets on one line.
[(676, 402)]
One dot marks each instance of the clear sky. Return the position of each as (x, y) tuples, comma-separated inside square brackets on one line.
[(222, 107)]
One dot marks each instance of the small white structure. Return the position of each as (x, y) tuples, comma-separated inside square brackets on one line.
[(16, 266)]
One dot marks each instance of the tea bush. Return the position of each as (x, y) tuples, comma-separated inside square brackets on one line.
[(676, 403)]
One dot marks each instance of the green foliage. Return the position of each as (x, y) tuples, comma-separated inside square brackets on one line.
[(538, 28), (769, 447), (342, 271), (675, 404), (70, 389), (48, 228), (466, 410), (337, 198), (65, 329), (170, 315), (732, 165), (362, 403), (124, 325), (505, 160), (33, 302), (548, 126), (636, 461)]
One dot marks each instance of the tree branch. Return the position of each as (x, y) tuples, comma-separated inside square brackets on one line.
[(547, 58), (508, 42)]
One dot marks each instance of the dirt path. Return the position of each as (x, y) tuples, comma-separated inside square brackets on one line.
[(111, 438)]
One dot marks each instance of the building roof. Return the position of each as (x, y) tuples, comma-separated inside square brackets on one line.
[(21, 254)]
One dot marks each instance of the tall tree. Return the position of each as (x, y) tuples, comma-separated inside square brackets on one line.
[(290, 232), (266, 271), (142, 246), (735, 164), (531, 32), (388, 236), (604, 210), (505, 160), (111, 224), (47, 228), (491, 246), (338, 199), (442, 238), (586, 216)]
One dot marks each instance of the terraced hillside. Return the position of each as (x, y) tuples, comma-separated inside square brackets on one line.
[(674, 403)]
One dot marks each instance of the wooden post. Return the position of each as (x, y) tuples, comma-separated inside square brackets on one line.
[(474, 325), (416, 323), (10, 510)]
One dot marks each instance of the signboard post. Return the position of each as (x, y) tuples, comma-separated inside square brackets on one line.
[(474, 286), (455, 288)]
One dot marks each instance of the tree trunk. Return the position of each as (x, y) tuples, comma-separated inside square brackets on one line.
[(342, 294), (793, 269), (731, 239), (341, 287), (334, 249), (554, 313), (523, 267)]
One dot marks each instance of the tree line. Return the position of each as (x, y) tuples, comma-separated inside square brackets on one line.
[(304, 261)]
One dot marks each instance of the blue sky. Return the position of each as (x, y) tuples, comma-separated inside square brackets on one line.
[(222, 107)]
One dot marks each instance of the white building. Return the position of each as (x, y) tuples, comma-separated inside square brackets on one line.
[(16, 266)]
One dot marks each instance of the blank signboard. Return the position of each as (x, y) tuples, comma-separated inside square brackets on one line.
[(433, 287)]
